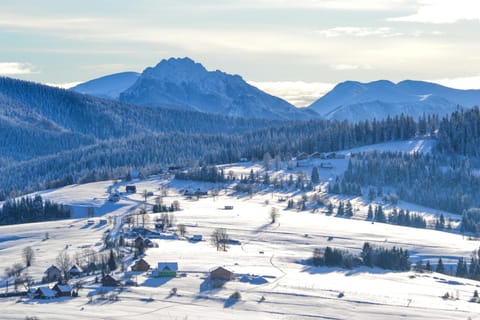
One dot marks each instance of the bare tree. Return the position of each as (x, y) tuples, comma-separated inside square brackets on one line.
[(219, 239), (182, 229), (28, 256), (273, 215), (64, 263)]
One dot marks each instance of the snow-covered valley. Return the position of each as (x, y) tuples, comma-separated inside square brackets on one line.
[(269, 260)]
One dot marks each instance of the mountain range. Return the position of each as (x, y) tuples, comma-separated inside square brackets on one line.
[(181, 83)]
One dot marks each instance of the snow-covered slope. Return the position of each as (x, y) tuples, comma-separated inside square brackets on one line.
[(109, 86), (268, 261), (355, 101), (184, 84)]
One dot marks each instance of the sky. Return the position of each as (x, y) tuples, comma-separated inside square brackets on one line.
[(296, 49)]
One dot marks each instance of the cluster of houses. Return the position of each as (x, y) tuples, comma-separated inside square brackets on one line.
[(58, 290)]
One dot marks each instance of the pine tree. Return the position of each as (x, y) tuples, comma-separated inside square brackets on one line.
[(370, 212), (440, 267), (315, 175)]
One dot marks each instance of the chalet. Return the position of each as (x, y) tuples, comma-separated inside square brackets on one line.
[(167, 269), (131, 189), (45, 293), (140, 265), (302, 156), (75, 271), (52, 274), (62, 290), (317, 155), (220, 273), (109, 281)]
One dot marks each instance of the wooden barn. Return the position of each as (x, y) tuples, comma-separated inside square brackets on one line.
[(109, 281), (141, 265), (62, 290), (220, 273)]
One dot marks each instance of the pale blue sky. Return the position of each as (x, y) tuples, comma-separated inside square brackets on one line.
[(293, 48)]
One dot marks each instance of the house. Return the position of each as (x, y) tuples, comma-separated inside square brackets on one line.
[(52, 274), (228, 208), (140, 265), (326, 165), (109, 281), (220, 273), (167, 269), (131, 188), (45, 293), (302, 156), (75, 271), (62, 290), (316, 155)]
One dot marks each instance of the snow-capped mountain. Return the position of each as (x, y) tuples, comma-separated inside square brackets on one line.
[(181, 83), (108, 86), (355, 101)]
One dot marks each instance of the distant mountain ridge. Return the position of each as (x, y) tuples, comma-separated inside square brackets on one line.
[(181, 83), (109, 86), (356, 101)]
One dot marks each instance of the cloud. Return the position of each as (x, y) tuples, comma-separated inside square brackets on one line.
[(359, 32), (298, 93), (16, 68), (66, 85), (460, 83), (443, 11), (343, 67)]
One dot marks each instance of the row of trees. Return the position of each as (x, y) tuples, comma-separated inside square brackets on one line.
[(32, 209), (392, 259)]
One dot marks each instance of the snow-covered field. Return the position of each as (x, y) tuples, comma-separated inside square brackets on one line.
[(267, 259)]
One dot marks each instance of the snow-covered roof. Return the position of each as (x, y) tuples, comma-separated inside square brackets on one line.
[(52, 268), (167, 266), (75, 268), (46, 292), (63, 287)]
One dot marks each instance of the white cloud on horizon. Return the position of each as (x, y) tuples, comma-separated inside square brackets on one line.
[(298, 93), (463, 83), (16, 68), (66, 85), (359, 32), (443, 11)]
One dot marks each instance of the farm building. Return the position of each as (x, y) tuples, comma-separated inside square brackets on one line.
[(62, 290), (75, 271), (52, 274), (220, 273), (109, 281), (140, 265), (45, 293), (167, 269)]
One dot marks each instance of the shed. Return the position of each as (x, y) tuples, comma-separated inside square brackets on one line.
[(228, 207), (196, 237), (131, 188), (52, 273), (75, 271), (62, 290), (167, 269), (109, 281), (45, 293), (220, 273), (141, 265)]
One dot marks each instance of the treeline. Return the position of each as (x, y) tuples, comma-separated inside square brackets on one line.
[(460, 133), (31, 209), (436, 181), (392, 259)]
